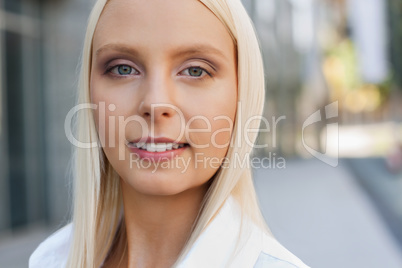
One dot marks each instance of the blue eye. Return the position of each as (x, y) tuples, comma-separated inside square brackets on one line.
[(123, 70), (195, 71)]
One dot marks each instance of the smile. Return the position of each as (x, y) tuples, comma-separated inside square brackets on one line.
[(157, 147)]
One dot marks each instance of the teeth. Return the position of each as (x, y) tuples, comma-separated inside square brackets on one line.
[(161, 147), (151, 147), (158, 147)]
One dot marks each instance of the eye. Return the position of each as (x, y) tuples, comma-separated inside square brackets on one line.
[(195, 71), (123, 70)]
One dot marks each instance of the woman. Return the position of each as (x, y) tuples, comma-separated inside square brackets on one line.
[(174, 86)]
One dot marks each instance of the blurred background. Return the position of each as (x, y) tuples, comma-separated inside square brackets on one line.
[(331, 187)]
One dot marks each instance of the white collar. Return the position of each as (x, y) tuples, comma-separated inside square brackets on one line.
[(216, 245)]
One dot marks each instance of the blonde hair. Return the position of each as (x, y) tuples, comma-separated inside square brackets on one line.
[(97, 195)]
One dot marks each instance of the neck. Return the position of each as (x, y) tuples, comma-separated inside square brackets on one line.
[(158, 225)]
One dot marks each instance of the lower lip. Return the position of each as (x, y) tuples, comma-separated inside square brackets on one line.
[(158, 156)]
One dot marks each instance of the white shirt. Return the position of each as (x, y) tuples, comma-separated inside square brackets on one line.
[(214, 248)]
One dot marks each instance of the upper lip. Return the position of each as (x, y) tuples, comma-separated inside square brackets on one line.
[(155, 140)]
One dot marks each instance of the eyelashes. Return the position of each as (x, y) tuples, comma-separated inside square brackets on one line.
[(125, 70), (196, 71)]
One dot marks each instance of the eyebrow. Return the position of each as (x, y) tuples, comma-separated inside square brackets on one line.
[(118, 47), (176, 52)]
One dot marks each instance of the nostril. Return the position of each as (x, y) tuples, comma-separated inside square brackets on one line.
[(165, 114)]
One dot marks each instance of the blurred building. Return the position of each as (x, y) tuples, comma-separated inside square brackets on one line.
[(40, 44), (395, 33)]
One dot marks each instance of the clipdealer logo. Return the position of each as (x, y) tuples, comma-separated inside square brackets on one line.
[(331, 111)]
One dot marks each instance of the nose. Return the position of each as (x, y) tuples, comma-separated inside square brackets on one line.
[(156, 102)]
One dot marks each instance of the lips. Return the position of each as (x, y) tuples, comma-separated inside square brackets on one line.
[(157, 148)]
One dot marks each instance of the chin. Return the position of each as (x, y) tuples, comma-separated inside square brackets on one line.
[(157, 183)]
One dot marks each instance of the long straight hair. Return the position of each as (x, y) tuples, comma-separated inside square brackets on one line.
[(97, 195)]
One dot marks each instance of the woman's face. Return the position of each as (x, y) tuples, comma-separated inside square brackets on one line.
[(164, 79)]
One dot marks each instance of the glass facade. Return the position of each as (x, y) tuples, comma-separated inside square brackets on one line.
[(395, 23), (38, 42), (15, 127), (14, 6), (22, 147)]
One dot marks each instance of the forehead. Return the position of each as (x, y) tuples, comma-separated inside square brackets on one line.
[(160, 25)]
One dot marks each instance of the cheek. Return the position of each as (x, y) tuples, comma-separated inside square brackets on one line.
[(221, 136), (112, 115), (211, 136), (213, 119), (215, 132)]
